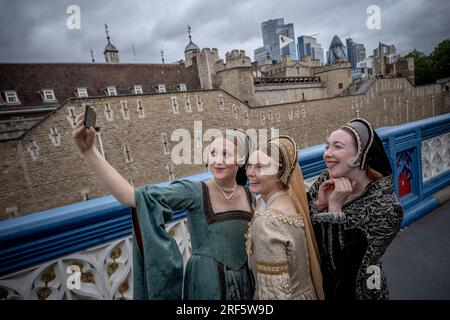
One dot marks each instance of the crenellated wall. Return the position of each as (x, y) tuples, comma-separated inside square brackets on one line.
[(235, 76), (290, 68)]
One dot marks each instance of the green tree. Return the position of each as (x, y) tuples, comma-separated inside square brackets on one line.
[(428, 69), (440, 59), (423, 67)]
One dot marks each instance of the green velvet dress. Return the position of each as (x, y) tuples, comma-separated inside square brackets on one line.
[(217, 268)]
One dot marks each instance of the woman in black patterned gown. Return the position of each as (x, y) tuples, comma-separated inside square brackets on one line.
[(355, 213)]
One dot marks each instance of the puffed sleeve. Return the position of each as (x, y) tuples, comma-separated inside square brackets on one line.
[(157, 261), (271, 245)]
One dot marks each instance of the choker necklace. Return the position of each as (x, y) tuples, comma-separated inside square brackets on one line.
[(274, 196), (225, 190)]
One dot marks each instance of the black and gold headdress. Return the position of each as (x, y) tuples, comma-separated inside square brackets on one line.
[(289, 155), (364, 134)]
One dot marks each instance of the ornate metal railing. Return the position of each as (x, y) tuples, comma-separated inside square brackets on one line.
[(41, 252), (285, 80)]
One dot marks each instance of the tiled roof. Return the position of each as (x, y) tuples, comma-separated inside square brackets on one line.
[(28, 79)]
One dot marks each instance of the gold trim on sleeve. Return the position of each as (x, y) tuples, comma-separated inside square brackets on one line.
[(272, 268)]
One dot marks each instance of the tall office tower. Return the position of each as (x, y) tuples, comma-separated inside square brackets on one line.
[(356, 52), (271, 31), (336, 52), (308, 46)]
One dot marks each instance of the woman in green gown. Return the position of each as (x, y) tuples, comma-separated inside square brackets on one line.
[(218, 212)]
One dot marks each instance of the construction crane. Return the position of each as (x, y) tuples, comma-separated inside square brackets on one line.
[(315, 34)]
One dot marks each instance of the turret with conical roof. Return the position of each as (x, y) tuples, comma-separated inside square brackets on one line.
[(111, 53), (191, 46)]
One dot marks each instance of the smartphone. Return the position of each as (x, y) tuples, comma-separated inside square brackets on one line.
[(90, 117)]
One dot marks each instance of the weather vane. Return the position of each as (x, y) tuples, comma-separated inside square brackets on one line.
[(92, 56), (107, 32)]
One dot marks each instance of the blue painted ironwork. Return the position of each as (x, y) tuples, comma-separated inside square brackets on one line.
[(404, 170)]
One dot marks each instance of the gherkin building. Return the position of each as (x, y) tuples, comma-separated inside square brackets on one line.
[(336, 52)]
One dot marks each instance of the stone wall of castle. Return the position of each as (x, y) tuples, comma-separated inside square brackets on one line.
[(290, 68), (44, 169), (336, 77), (283, 93)]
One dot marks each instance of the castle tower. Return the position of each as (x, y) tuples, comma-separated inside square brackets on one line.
[(191, 50), (111, 53), (235, 76), (205, 61), (337, 77)]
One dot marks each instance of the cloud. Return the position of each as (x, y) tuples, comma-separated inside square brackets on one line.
[(35, 31)]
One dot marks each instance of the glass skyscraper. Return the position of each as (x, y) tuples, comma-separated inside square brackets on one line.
[(336, 52), (262, 53), (308, 46), (356, 52), (271, 31)]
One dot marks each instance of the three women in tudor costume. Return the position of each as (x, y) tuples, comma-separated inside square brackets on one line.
[(292, 249)]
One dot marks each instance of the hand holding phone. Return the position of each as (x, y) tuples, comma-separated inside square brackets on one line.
[(90, 117), (83, 136)]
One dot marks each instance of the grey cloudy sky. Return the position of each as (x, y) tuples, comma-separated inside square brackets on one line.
[(35, 30)]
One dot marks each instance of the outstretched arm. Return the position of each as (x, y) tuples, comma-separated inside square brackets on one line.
[(109, 177)]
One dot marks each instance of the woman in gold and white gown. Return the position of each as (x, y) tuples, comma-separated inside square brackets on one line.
[(280, 241)]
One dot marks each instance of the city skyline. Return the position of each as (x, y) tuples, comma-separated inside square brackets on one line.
[(37, 32), (271, 31)]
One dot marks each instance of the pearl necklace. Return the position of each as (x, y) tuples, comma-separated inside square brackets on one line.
[(225, 190), (274, 196)]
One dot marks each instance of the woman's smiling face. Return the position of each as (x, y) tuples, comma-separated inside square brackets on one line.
[(222, 159), (262, 172), (340, 148)]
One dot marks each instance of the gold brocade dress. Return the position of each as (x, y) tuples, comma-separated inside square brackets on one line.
[(278, 256)]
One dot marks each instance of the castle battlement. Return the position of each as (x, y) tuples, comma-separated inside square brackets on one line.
[(331, 67), (209, 53), (234, 59)]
